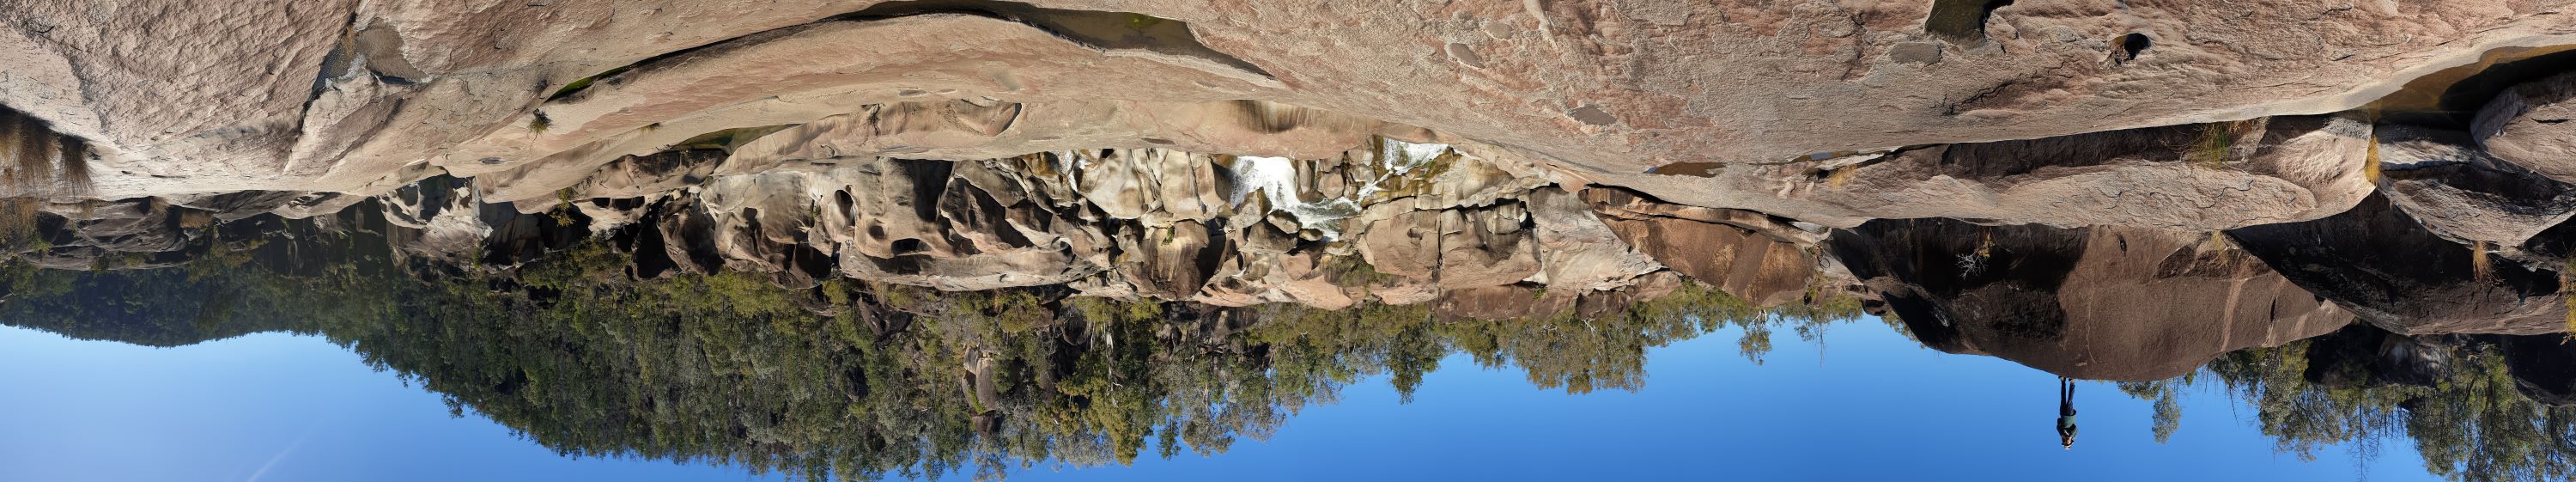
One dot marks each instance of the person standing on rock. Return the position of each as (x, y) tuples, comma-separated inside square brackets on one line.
[(2066, 413)]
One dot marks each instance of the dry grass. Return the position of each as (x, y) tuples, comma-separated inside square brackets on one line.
[(1841, 176), (540, 124), (18, 220), (40, 161), (73, 176), (2567, 278), (31, 153), (2216, 145), (2478, 261), (195, 219), (2216, 242), (2370, 163), (36, 164)]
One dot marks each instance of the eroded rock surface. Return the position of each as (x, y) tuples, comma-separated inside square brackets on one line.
[(361, 98), (2058, 167)]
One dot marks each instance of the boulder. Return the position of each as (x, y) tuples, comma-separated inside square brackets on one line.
[(2106, 303), (2441, 179), (2387, 268), (2527, 126)]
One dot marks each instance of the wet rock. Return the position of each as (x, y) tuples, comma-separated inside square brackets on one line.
[(2387, 268), (2096, 303)]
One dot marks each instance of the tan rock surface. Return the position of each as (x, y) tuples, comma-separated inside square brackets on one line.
[(1743, 253), (188, 96), (2526, 125), (2460, 192)]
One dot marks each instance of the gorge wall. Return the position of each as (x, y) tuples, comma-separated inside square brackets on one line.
[(1999, 175)]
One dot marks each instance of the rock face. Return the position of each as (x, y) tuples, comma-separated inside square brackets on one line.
[(1747, 254), (527, 98), (2037, 180), (2526, 125), (2096, 303), (1422, 219), (2199, 177), (2382, 265), (2462, 193)]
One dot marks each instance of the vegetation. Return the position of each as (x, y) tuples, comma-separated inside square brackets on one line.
[(1841, 176), (578, 85), (2469, 425), (2567, 277), (36, 163), (863, 380), (852, 379), (2168, 402), (540, 124), (2370, 163), (2215, 146)]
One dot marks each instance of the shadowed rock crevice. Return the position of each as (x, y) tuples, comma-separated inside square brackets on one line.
[(1106, 30), (2129, 46), (1098, 29), (1962, 22)]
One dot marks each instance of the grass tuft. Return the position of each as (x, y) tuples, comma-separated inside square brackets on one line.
[(39, 161), (18, 220), (2566, 279), (32, 168), (2370, 163), (2216, 145), (2478, 261), (1841, 176), (584, 83)]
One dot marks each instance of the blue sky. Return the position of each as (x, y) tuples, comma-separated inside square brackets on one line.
[(1873, 406)]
